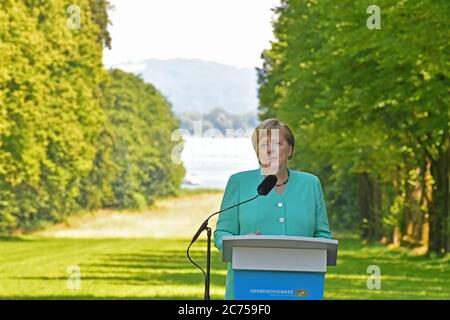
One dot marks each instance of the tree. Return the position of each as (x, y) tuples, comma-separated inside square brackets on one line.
[(371, 103)]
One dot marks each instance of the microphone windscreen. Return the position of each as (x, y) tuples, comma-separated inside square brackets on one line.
[(267, 184)]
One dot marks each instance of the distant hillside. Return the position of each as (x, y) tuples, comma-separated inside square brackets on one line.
[(193, 85)]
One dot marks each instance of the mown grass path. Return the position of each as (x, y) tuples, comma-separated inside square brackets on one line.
[(144, 267)]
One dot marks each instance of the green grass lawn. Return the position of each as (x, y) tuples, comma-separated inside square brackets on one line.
[(36, 267)]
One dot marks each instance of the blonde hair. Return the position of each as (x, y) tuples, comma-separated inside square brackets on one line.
[(269, 124)]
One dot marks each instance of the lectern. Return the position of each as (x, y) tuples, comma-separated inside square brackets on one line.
[(279, 267)]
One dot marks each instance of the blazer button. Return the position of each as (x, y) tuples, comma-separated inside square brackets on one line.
[(279, 204), (281, 220)]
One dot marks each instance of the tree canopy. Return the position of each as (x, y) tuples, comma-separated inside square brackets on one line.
[(370, 110), (71, 136)]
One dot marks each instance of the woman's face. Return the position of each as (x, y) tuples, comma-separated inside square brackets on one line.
[(274, 150)]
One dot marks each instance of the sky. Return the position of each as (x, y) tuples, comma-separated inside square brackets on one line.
[(232, 32)]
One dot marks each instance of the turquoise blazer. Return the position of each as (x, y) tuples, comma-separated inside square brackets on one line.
[(299, 211)]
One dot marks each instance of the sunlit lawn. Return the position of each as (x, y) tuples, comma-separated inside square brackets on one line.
[(36, 267)]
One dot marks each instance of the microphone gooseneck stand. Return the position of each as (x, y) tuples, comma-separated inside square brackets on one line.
[(263, 189), (202, 228)]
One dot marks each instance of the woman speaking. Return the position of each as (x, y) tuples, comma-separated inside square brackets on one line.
[(294, 207)]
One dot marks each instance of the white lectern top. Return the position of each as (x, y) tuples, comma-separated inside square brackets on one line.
[(279, 242)]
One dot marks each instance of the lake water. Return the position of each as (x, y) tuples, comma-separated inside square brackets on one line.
[(210, 161)]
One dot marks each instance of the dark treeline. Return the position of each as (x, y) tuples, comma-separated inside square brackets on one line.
[(217, 119), (74, 136), (370, 110)]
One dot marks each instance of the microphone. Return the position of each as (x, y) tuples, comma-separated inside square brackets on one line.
[(263, 189), (268, 183)]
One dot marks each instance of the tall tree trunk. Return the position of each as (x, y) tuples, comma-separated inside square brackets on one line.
[(398, 184), (364, 206), (439, 206), (426, 195), (377, 218), (370, 203), (413, 212)]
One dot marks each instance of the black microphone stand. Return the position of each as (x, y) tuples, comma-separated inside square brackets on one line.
[(202, 228), (208, 263)]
